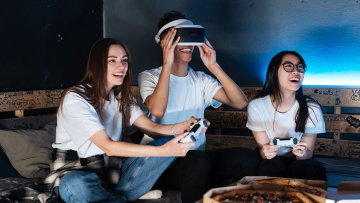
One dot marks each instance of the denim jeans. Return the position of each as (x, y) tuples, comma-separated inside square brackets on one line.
[(139, 174)]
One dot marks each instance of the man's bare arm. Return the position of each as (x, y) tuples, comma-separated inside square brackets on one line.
[(157, 102), (230, 94)]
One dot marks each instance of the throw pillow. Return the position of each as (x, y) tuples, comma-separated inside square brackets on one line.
[(29, 151), (7, 170)]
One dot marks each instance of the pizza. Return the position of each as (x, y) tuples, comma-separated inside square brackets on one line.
[(254, 196), (294, 185)]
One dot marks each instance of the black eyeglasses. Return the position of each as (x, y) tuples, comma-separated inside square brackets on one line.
[(290, 67)]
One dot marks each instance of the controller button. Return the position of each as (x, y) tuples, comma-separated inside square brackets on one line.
[(193, 138), (205, 124)]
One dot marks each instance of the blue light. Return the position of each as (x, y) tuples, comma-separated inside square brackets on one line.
[(332, 56), (333, 78)]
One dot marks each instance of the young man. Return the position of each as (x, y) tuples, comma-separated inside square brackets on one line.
[(174, 92)]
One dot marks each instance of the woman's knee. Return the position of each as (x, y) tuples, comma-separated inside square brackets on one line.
[(81, 186), (74, 178)]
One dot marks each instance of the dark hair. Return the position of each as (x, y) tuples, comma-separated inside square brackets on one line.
[(271, 87), (168, 17), (92, 86)]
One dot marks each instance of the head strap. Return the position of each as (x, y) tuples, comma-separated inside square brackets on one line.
[(172, 24)]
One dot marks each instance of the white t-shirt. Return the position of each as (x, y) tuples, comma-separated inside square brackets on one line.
[(188, 96), (261, 115), (79, 121)]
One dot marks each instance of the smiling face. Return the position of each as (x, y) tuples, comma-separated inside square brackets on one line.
[(117, 66), (183, 54), (290, 81)]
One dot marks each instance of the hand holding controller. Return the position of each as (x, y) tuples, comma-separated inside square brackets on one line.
[(285, 142), (194, 131)]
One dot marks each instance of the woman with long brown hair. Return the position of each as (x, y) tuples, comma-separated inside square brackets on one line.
[(94, 120)]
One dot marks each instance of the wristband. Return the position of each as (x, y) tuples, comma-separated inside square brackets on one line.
[(172, 130)]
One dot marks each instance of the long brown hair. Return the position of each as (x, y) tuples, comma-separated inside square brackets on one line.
[(92, 86)]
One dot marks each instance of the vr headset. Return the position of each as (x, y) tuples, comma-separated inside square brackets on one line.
[(189, 33)]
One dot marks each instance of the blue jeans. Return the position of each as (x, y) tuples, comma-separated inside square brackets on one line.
[(139, 174)]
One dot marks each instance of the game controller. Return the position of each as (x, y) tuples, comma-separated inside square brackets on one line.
[(195, 129), (285, 142)]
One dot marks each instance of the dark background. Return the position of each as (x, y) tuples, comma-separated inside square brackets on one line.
[(246, 34), (44, 44)]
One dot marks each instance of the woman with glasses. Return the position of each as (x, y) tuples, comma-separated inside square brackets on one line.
[(281, 115)]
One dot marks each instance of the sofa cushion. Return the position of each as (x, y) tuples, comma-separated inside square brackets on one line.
[(7, 170), (29, 151)]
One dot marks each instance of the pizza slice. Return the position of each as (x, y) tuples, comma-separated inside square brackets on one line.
[(252, 196), (294, 185), (294, 196)]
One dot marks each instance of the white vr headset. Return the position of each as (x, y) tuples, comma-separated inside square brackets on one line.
[(190, 34)]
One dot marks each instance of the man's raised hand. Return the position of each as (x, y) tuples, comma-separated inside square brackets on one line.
[(168, 47)]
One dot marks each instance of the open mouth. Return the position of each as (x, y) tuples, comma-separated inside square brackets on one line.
[(294, 80), (185, 50), (118, 75)]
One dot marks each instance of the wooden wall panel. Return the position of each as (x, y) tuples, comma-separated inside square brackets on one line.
[(325, 147), (226, 119), (337, 148), (250, 92), (22, 100), (227, 141), (342, 123), (236, 119), (346, 97), (11, 101), (25, 100)]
